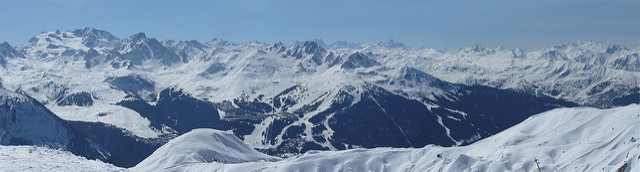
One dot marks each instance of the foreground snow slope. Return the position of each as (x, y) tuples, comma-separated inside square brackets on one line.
[(32, 158), (566, 139), (201, 145)]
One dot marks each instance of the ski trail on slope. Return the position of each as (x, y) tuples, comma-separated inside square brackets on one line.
[(447, 130), (394, 121)]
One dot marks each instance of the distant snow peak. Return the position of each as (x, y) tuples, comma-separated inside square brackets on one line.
[(478, 49), (392, 44), (278, 47), (93, 38), (219, 42), (195, 43), (319, 42), (357, 60), (311, 47), (584, 44), (7, 51), (588, 46), (308, 47), (5, 45), (310, 51), (138, 36), (88, 31), (138, 48)]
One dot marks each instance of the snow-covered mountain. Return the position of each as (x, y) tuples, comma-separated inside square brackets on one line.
[(565, 139), (284, 100)]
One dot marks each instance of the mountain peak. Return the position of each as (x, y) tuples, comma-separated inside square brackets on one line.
[(278, 44), (219, 42), (614, 48), (478, 49), (392, 44), (81, 32), (357, 60), (88, 31), (93, 37), (593, 46), (138, 36), (278, 47), (7, 51), (5, 44), (319, 42), (308, 48), (139, 48), (588, 42), (312, 47)]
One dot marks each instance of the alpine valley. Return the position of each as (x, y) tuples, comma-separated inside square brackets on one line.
[(120, 99)]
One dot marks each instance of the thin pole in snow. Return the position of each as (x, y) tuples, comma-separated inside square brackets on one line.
[(537, 164)]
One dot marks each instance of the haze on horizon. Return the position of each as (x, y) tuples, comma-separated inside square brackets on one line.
[(432, 24)]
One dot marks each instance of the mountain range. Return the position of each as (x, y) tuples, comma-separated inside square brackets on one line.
[(285, 100)]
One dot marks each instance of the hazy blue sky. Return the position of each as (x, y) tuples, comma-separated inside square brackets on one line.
[(437, 24)]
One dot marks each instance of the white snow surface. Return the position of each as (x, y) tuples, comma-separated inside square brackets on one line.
[(565, 139), (201, 146), (33, 158), (111, 114)]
